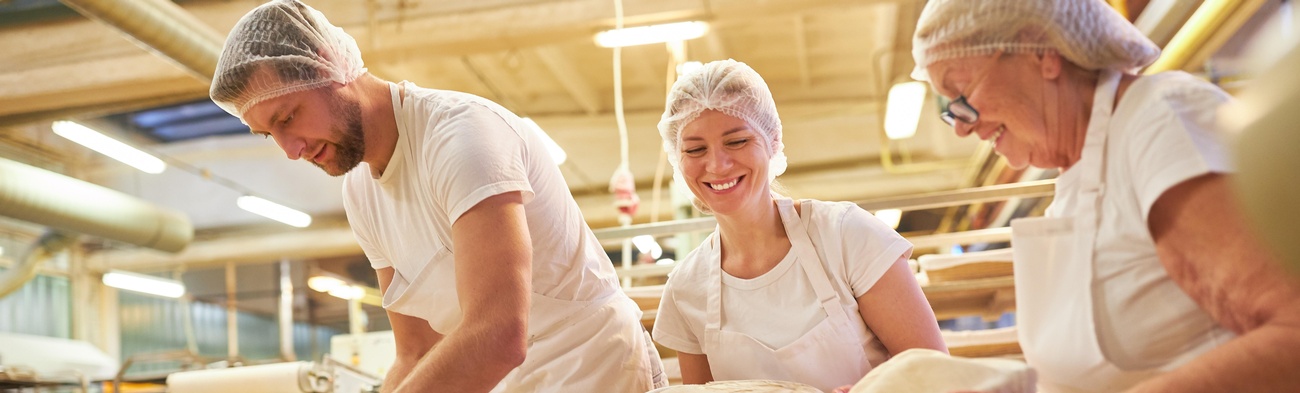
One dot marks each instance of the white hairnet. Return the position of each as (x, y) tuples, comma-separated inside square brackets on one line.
[(1088, 33), (730, 87), (294, 44)]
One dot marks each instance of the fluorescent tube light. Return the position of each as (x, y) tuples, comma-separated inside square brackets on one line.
[(324, 283), (274, 211), (903, 112), (891, 217), (105, 145), (647, 245), (144, 284), (348, 292), (652, 34), (557, 152)]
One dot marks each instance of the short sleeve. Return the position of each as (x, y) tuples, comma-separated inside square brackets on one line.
[(1174, 139), (377, 260), (476, 154), (870, 248), (671, 329)]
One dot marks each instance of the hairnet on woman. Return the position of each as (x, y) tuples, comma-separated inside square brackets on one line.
[(748, 302), (1141, 276)]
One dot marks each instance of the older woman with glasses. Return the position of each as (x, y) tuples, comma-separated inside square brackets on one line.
[(1144, 274)]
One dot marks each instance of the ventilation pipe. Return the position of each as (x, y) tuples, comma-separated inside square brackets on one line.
[(162, 27), (70, 205)]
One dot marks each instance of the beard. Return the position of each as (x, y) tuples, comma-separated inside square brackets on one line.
[(351, 146)]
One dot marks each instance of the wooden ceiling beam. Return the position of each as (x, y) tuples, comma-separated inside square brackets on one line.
[(573, 82)]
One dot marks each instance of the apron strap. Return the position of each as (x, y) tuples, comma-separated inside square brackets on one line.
[(807, 257), (713, 287), (1094, 143)]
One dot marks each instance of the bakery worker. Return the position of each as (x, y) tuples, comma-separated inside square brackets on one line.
[(490, 276), (805, 291), (1143, 275)]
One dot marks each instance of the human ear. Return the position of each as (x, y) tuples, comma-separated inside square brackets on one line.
[(1049, 64)]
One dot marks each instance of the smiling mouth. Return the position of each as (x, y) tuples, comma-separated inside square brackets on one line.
[(724, 186), (997, 135), (319, 153)]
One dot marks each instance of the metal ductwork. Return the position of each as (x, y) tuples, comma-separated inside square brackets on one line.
[(57, 201), (162, 27)]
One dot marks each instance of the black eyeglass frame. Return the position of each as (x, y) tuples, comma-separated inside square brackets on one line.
[(951, 117)]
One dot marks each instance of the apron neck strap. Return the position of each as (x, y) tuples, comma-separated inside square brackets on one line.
[(802, 246), (1094, 143)]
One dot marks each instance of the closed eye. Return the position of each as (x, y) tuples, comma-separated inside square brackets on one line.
[(737, 143), (694, 152)]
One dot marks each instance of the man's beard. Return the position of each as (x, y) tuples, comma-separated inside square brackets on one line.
[(351, 146)]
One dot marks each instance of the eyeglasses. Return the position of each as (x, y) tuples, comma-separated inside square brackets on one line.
[(960, 110)]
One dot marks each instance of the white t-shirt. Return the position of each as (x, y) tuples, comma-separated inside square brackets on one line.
[(453, 151), (1162, 133), (779, 306)]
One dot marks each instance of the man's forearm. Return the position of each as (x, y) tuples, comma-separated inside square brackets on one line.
[(1263, 360), (396, 374), (471, 359)]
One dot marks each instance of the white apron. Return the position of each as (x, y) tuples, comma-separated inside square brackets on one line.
[(832, 354), (573, 346), (1054, 274), (578, 346)]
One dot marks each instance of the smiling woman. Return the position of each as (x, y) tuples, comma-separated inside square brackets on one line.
[(750, 303), (1143, 276)]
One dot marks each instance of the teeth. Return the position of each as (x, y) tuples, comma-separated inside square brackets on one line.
[(724, 186), (997, 134)]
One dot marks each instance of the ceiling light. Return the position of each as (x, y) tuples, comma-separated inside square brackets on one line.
[(274, 211), (891, 217), (144, 284), (557, 152), (652, 34), (108, 146), (647, 245), (687, 67), (324, 283), (348, 292), (903, 112)]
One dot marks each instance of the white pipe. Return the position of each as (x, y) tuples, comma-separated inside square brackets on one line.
[(302, 244), (162, 27), (42, 197)]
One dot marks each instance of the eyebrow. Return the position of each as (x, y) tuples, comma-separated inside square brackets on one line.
[(275, 116), (729, 132)]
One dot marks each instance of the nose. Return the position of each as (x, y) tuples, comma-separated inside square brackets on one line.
[(719, 161), (292, 147), (962, 128)]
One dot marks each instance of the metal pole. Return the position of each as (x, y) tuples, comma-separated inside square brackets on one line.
[(232, 316), (286, 312)]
